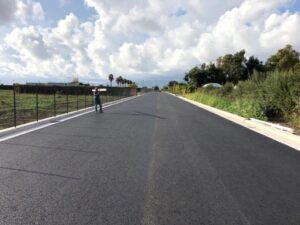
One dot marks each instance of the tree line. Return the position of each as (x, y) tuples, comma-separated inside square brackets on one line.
[(250, 88), (121, 82), (236, 67)]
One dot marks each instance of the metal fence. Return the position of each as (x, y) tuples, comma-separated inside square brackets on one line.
[(21, 104)]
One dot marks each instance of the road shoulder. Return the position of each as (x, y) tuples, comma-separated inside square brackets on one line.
[(283, 137), (13, 132)]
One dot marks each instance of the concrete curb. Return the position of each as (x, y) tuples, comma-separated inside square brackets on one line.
[(273, 132), (277, 126)]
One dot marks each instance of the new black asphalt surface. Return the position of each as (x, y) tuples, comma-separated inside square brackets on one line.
[(154, 160)]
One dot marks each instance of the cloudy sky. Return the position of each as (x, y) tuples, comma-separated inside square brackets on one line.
[(143, 40)]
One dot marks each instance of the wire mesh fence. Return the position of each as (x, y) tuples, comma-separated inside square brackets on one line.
[(20, 104)]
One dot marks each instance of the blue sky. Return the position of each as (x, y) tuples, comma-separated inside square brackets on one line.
[(148, 41), (55, 10), (294, 7)]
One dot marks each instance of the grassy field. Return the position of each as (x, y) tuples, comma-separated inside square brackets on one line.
[(48, 106)]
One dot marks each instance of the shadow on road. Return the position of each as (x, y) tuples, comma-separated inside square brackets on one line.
[(137, 113)]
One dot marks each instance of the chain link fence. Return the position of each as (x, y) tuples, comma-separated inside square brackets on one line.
[(20, 104)]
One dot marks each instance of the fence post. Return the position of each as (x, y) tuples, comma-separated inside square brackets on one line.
[(37, 103), (77, 100), (54, 101), (67, 103), (106, 95), (15, 110)]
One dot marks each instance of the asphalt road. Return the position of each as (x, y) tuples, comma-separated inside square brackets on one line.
[(154, 160)]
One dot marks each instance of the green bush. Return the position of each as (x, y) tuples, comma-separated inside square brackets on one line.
[(280, 95), (227, 89), (248, 108), (250, 88), (181, 89)]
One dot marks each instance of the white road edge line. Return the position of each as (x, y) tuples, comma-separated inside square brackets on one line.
[(62, 120)]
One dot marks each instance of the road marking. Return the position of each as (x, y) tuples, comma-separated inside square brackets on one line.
[(62, 120), (25, 132)]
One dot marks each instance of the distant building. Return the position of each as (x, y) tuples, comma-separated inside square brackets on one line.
[(74, 83), (56, 84), (47, 84)]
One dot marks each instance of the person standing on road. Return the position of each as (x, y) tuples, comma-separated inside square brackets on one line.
[(97, 100)]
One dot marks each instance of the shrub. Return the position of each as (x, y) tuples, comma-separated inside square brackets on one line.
[(181, 89), (271, 96), (280, 94), (226, 89)]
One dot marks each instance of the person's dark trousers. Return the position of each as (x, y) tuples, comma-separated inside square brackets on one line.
[(98, 102)]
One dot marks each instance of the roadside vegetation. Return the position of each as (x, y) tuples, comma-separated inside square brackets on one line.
[(250, 88)]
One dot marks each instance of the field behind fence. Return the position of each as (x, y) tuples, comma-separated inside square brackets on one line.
[(21, 104)]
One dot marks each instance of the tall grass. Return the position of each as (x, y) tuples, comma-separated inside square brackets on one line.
[(243, 107), (272, 96)]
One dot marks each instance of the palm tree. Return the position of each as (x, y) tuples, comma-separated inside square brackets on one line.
[(111, 78), (119, 80), (134, 85), (123, 81)]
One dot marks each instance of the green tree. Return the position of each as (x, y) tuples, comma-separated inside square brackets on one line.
[(234, 66), (196, 76), (172, 83), (119, 80), (111, 78), (253, 64), (127, 82), (285, 59), (199, 76), (214, 74), (297, 68), (133, 85), (123, 81)]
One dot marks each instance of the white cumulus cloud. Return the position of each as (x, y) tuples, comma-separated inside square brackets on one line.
[(8, 9), (37, 11), (143, 38), (29, 43), (19, 11)]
